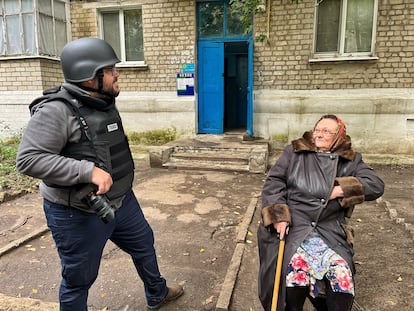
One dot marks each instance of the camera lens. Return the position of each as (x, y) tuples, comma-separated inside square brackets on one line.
[(103, 208)]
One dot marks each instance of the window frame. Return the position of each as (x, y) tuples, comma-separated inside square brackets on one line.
[(36, 26), (340, 55), (120, 11), (226, 33)]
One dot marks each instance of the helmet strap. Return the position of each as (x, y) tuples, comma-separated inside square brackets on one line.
[(100, 76)]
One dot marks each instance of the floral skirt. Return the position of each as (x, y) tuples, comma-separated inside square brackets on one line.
[(313, 261)]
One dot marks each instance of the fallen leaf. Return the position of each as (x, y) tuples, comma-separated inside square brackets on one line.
[(202, 250), (34, 291), (21, 287), (359, 220), (249, 233), (209, 300), (399, 279)]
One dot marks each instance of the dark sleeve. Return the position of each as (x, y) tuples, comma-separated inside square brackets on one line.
[(49, 129), (365, 185), (275, 188)]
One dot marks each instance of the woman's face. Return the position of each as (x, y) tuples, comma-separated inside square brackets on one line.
[(324, 134)]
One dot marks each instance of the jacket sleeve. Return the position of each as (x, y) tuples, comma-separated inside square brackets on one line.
[(275, 187), (365, 185), (51, 126)]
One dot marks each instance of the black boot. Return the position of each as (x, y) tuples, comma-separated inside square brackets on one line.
[(338, 301), (295, 298), (319, 303)]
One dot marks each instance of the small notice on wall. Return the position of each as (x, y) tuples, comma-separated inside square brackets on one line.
[(185, 83), (186, 68)]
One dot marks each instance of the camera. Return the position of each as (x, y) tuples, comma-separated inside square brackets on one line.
[(98, 203)]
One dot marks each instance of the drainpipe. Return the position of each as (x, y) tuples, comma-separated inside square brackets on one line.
[(268, 19)]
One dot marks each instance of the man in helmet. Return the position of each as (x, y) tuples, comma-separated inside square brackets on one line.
[(75, 143)]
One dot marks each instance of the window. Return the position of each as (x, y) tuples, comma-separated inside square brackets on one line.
[(122, 29), (345, 28), (32, 27), (218, 19)]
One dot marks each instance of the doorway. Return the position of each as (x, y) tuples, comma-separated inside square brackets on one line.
[(224, 86), (235, 85)]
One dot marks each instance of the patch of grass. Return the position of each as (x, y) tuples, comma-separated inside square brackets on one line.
[(8, 152), (154, 137), (10, 178)]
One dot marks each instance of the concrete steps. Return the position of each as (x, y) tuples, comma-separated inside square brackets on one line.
[(213, 152)]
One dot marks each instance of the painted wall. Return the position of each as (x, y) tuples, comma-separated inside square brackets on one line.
[(378, 120)]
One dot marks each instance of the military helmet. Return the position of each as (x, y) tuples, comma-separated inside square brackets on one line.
[(82, 58)]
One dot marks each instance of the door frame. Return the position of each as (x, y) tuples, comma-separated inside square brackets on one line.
[(201, 81)]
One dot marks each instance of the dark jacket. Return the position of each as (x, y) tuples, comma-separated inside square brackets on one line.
[(297, 190)]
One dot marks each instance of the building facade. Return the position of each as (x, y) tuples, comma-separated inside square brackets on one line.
[(190, 65)]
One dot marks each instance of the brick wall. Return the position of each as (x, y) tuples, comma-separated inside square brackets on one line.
[(29, 74), (282, 63)]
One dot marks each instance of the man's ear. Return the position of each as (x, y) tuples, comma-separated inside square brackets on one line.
[(90, 83)]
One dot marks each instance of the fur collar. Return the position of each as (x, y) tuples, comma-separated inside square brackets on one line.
[(342, 147)]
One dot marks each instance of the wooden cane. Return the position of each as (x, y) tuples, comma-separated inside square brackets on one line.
[(277, 276)]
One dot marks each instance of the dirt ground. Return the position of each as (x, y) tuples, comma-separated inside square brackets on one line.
[(195, 217)]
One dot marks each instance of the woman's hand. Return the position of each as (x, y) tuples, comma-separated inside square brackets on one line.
[(281, 228), (337, 192)]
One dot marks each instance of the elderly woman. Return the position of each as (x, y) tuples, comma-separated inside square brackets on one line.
[(307, 197)]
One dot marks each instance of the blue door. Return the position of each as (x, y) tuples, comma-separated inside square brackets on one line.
[(210, 87), (249, 128)]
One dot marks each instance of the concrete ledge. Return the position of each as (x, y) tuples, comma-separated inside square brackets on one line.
[(393, 214), (15, 244), (223, 302), (388, 159)]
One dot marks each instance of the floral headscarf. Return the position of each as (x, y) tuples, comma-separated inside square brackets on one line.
[(340, 134)]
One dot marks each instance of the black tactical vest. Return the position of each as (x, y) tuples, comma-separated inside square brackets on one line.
[(103, 142)]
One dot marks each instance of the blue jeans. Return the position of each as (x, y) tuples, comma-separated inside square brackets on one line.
[(80, 239)]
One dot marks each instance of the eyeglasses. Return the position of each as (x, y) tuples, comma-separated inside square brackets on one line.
[(324, 132), (111, 68)]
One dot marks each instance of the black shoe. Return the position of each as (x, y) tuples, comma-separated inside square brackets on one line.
[(174, 292)]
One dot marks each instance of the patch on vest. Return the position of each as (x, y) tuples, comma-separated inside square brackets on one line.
[(112, 127)]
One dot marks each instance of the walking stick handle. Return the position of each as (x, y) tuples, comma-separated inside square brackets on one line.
[(277, 275)]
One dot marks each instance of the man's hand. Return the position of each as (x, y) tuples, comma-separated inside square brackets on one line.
[(282, 228), (102, 179)]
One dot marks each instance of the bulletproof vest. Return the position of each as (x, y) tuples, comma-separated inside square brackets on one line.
[(103, 141)]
